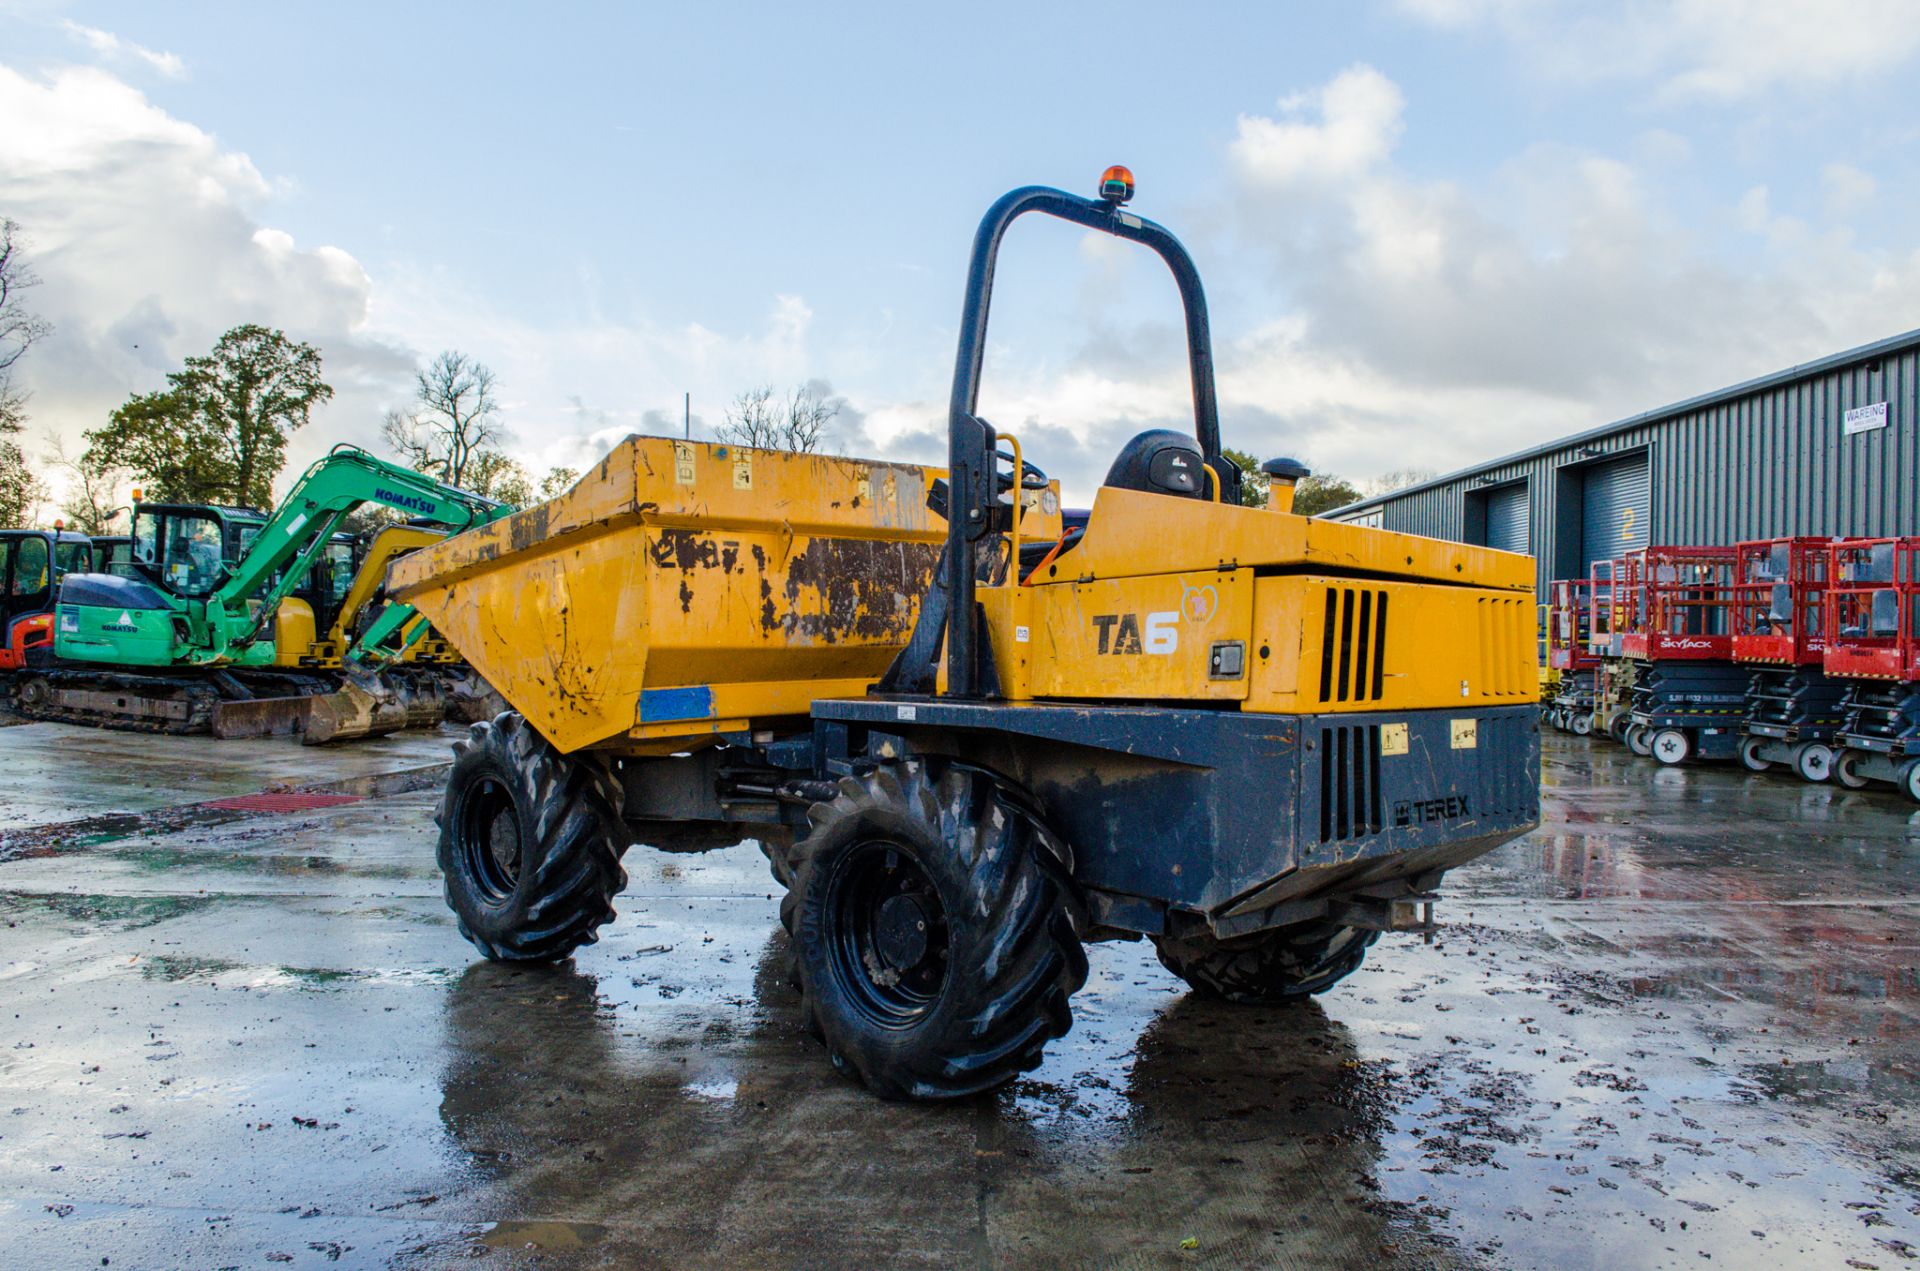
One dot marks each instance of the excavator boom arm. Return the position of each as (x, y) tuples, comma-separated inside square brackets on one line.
[(297, 533)]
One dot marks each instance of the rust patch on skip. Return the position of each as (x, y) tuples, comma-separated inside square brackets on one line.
[(685, 551), (868, 590), (528, 528)]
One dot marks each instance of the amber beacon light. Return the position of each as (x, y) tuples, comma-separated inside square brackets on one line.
[(1116, 184)]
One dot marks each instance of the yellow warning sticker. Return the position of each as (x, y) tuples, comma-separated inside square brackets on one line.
[(1393, 739), (683, 463), (743, 470), (1466, 734)]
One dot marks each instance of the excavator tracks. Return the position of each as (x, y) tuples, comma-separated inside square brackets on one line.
[(177, 704)]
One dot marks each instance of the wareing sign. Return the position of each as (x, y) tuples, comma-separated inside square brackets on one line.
[(1865, 418)]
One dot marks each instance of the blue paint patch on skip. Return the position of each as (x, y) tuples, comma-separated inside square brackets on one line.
[(658, 705)]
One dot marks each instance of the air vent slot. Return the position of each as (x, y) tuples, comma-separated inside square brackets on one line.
[(1349, 782), (1353, 645), (1503, 649)]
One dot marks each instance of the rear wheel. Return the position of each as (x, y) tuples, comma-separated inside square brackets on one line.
[(1582, 725), (1813, 762), (1639, 739), (1670, 746), (1617, 729), (1750, 756), (933, 925), (1271, 966), (1846, 770), (530, 843), (1910, 779)]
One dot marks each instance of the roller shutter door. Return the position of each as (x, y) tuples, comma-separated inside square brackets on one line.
[(1617, 510), (1507, 518)]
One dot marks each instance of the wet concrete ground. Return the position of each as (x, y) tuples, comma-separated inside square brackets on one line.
[(1675, 1025)]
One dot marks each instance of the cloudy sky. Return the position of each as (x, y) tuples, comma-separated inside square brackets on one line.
[(1432, 230)]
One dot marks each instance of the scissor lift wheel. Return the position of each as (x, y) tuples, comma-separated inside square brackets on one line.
[(1813, 762), (1670, 746)]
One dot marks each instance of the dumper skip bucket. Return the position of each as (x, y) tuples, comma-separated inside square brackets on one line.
[(683, 589)]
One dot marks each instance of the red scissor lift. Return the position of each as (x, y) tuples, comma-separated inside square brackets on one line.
[(1873, 642), (1779, 633), (1613, 681), (1570, 612), (1689, 695)]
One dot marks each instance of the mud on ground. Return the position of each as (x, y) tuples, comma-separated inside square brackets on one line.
[(1675, 1025)]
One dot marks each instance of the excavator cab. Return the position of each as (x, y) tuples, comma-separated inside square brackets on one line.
[(187, 549), (32, 562)]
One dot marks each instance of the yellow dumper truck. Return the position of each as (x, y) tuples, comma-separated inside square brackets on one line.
[(973, 732)]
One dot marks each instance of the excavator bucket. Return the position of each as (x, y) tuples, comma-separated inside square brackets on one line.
[(261, 717), (356, 710), (683, 589)]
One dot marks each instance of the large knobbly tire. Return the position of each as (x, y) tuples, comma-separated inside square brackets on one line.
[(935, 930), (1270, 966), (530, 843)]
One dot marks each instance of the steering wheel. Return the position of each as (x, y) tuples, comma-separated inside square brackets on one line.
[(1031, 478)]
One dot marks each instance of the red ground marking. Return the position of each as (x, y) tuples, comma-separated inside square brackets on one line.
[(281, 802)]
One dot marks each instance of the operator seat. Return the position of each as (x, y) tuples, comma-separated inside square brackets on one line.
[(1161, 461)]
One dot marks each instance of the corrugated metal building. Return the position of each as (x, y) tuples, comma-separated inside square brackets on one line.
[(1825, 448)]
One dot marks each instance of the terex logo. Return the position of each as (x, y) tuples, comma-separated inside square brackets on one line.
[(1426, 811), (407, 502), (1123, 632)]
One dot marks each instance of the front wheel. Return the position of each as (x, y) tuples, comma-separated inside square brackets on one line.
[(1750, 756), (934, 929), (1639, 739), (1270, 966), (1582, 725), (1671, 746), (1846, 770), (1910, 779), (530, 843)]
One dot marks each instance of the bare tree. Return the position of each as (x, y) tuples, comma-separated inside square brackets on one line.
[(1398, 479), (796, 423), (20, 490), (91, 505), (454, 420), (19, 329)]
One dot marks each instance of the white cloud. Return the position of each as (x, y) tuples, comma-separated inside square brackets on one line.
[(151, 239), (1380, 320), (1847, 189), (146, 235), (1722, 50), (1432, 323), (1358, 123), (112, 48)]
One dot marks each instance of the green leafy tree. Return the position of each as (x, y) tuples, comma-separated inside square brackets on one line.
[(1323, 492), (1253, 482), (557, 482), (492, 475), (172, 451), (20, 491), (219, 431)]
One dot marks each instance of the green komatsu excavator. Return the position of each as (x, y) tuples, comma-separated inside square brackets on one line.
[(182, 640)]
